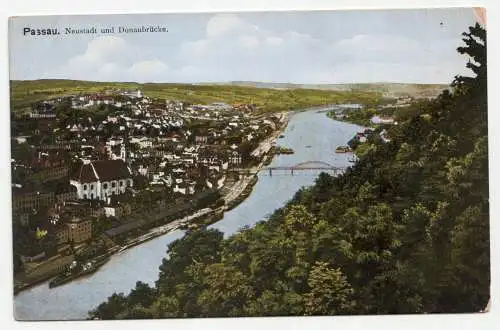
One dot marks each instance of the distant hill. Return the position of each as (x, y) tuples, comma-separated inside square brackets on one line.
[(387, 89), (267, 96), (24, 93)]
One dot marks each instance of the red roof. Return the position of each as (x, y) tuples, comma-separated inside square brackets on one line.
[(103, 170)]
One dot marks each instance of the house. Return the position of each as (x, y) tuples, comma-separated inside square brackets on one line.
[(24, 201), (66, 193), (201, 139), (178, 189), (184, 189), (361, 137), (39, 115), (384, 137), (142, 142), (62, 234), (114, 142), (21, 139), (49, 174), (117, 211), (382, 120), (79, 230), (142, 170), (102, 178)]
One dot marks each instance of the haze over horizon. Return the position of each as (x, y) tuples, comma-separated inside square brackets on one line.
[(303, 48), (237, 82)]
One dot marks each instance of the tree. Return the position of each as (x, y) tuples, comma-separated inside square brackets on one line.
[(226, 290), (330, 293), (475, 48), (165, 307), (142, 295), (299, 219), (197, 246), (109, 310), (470, 260)]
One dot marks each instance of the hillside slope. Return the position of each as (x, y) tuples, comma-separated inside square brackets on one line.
[(23, 93)]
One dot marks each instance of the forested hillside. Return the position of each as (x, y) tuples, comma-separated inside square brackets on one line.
[(405, 230)]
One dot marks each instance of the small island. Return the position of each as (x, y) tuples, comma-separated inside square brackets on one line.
[(342, 150), (278, 150)]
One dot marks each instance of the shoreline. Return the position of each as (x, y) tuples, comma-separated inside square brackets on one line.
[(183, 223)]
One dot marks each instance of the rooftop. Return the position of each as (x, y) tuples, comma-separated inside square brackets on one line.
[(103, 170)]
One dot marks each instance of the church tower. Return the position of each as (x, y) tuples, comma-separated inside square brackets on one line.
[(123, 152)]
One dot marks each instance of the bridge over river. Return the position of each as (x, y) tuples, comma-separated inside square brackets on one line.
[(291, 169), (305, 166)]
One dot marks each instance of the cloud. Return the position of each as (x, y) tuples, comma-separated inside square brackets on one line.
[(222, 24), (249, 41), (374, 72), (383, 48), (274, 41), (233, 48), (150, 70), (114, 58)]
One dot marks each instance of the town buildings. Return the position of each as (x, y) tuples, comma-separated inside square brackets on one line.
[(110, 157), (26, 201)]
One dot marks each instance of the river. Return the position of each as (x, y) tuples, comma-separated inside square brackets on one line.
[(311, 134)]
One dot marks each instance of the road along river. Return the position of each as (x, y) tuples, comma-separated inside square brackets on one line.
[(311, 134)]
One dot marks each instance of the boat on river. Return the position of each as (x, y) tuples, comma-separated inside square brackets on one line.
[(72, 274)]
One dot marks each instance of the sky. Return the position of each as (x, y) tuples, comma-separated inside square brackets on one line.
[(316, 47)]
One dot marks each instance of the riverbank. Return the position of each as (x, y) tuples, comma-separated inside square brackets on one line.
[(21, 284), (165, 229), (236, 195), (247, 190)]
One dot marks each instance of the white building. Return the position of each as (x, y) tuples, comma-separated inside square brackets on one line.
[(382, 120), (142, 142), (235, 158), (101, 179)]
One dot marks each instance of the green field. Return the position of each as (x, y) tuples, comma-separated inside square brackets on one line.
[(24, 93)]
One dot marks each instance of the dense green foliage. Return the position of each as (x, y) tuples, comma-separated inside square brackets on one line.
[(405, 230)]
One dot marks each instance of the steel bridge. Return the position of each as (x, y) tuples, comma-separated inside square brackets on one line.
[(310, 165)]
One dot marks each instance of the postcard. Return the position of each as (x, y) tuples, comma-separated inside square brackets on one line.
[(292, 163)]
